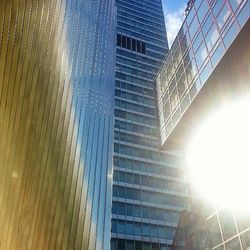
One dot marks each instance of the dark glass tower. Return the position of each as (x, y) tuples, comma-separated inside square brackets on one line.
[(148, 186), (56, 123)]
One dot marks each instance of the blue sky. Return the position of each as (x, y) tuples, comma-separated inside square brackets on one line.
[(174, 15)]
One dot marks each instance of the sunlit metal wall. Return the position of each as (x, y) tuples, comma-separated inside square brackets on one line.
[(56, 123)]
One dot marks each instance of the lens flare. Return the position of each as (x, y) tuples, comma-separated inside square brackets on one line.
[(219, 157)]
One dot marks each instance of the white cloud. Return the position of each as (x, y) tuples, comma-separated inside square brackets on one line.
[(173, 20)]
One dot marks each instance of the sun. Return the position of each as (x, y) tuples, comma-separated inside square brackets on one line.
[(219, 156)]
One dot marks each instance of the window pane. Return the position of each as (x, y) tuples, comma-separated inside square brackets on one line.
[(233, 245), (121, 244), (153, 231), (227, 223), (114, 226), (145, 230), (245, 239), (214, 231), (121, 227), (138, 229), (129, 228), (121, 209)]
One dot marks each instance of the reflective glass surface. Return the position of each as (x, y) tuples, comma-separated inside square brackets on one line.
[(56, 123), (149, 184), (207, 32)]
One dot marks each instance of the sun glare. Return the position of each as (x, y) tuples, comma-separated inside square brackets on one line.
[(219, 157)]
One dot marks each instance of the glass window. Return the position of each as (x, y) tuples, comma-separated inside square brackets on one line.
[(245, 239), (235, 4), (214, 231), (201, 55), (122, 176), (230, 35), (130, 178), (114, 244), (145, 230), (114, 207), (138, 229), (161, 231), (137, 210), (202, 11), (244, 13), (121, 244), (203, 239), (137, 194), (212, 37), (223, 16), (153, 231), (205, 72), (182, 85), (207, 24), (121, 227), (217, 54), (145, 212), (129, 245), (122, 192), (129, 210), (233, 244), (197, 41), (146, 246), (113, 226), (115, 191), (129, 228), (217, 6), (137, 179), (144, 195), (243, 220), (138, 245), (130, 193), (227, 223), (121, 209), (169, 233), (193, 27)]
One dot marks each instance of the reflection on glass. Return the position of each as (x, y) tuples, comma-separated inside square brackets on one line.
[(201, 55), (227, 223), (214, 231), (202, 11), (217, 6), (203, 238), (223, 16), (193, 27), (243, 220), (207, 24), (233, 244), (212, 37), (245, 239)]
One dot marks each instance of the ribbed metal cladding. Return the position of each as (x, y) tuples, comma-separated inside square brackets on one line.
[(56, 123)]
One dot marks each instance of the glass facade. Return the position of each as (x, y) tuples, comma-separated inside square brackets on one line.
[(206, 34), (213, 228), (149, 189), (57, 62)]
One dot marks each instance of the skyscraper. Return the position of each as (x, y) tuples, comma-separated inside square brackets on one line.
[(56, 123), (148, 186)]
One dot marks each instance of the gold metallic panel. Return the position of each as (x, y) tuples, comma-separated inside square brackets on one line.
[(56, 122)]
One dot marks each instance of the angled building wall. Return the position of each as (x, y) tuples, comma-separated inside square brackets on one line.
[(149, 190), (56, 123), (204, 38)]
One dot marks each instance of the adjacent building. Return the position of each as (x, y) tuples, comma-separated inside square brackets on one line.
[(207, 65), (56, 123), (203, 66), (149, 189)]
